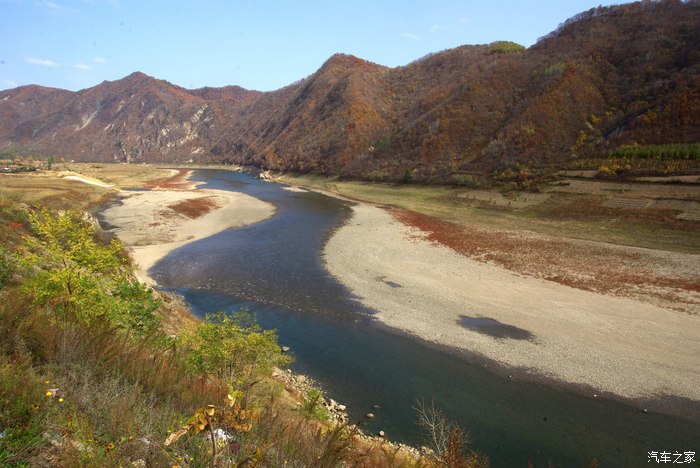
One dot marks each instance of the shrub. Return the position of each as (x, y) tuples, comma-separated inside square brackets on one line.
[(686, 151), (5, 267), (447, 441), (78, 276), (555, 69), (505, 47), (313, 407), (466, 180), (232, 348)]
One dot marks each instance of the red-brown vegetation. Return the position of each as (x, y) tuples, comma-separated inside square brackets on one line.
[(194, 207), (609, 76), (579, 264), (175, 182)]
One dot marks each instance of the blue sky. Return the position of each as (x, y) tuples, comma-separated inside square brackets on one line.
[(263, 44)]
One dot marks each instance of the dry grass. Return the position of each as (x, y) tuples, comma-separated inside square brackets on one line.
[(122, 175), (176, 317), (577, 215), (176, 181), (594, 267), (298, 442), (86, 393), (49, 190)]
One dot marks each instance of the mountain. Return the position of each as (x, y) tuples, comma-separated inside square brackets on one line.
[(609, 76), (137, 118)]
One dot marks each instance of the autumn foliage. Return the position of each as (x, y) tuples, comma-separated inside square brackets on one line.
[(607, 77)]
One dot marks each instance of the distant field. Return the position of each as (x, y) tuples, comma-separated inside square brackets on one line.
[(579, 209), (122, 175), (50, 189), (658, 216)]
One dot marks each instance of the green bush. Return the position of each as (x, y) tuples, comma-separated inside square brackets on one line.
[(232, 348), (673, 151), (5, 267), (505, 47), (79, 277), (313, 408), (555, 69), (466, 180), (135, 306)]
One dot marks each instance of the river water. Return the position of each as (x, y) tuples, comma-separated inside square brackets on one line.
[(275, 269)]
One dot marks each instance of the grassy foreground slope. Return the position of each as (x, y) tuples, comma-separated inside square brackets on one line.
[(98, 370)]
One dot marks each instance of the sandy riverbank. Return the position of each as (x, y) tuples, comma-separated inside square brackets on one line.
[(613, 344), (154, 223)]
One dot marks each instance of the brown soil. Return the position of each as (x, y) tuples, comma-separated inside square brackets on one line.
[(178, 181), (194, 207), (661, 279)]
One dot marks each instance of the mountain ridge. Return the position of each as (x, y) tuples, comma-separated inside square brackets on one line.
[(608, 76)]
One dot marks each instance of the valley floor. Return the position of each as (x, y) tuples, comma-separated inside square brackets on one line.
[(614, 319), (609, 343)]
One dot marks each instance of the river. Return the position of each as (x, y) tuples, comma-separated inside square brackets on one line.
[(275, 269)]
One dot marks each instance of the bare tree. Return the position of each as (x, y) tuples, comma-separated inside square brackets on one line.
[(438, 427)]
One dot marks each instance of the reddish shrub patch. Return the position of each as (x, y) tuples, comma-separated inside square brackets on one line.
[(194, 207), (589, 266), (177, 181)]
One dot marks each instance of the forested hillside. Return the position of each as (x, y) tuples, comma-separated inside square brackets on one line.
[(611, 76)]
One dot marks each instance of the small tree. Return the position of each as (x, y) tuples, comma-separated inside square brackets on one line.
[(233, 348), (446, 440)]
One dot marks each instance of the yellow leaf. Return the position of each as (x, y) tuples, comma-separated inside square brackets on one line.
[(174, 436), (201, 418)]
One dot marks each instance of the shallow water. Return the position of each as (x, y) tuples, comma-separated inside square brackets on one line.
[(275, 269)]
